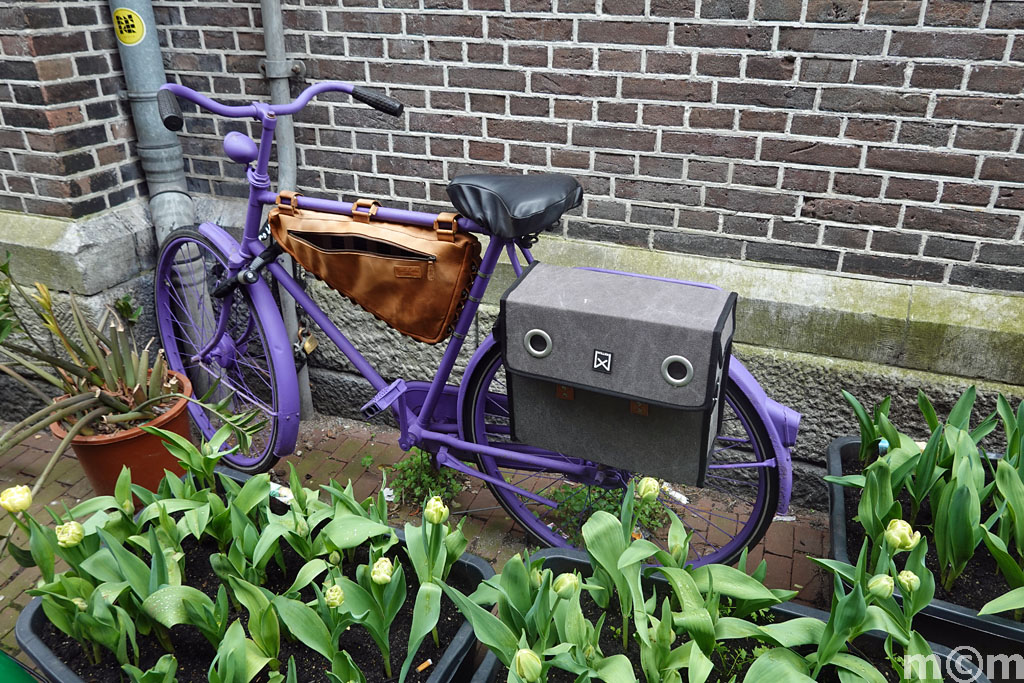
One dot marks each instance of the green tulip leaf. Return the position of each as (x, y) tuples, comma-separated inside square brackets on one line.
[(349, 531), (796, 632), (167, 605), (305, 625), (731, 582), (863, 670), (256, 490), (488, 629), (1012, 600), (778, 665), (425, 614)]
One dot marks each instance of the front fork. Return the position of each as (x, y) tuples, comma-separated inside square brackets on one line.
[(278, 347)]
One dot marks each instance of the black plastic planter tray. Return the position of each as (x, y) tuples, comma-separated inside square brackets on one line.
[(470, 567), (487, 671), (563, 560), (941, 622)]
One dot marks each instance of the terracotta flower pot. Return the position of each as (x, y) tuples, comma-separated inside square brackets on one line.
[(103, 455)]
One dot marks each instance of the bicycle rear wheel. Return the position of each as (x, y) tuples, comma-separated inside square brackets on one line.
[(731, 512), (188, 270)]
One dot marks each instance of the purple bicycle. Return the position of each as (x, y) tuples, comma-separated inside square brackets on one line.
[(218, 321)]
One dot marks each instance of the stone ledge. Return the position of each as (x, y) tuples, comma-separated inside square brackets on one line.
[(934, 328), (937, 329), (86, 256)]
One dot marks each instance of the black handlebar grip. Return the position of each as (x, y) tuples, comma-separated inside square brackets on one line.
[(170, 110), (378, 100)]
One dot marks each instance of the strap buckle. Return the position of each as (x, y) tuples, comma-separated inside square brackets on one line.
[(364, 209), (446, 234), (293, 201)]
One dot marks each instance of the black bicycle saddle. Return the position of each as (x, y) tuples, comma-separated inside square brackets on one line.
[(513, 206)]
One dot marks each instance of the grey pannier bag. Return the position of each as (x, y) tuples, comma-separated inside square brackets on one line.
[(622, 369)]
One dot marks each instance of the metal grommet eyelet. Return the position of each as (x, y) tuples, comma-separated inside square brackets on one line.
[(669, 364), (531, 339)]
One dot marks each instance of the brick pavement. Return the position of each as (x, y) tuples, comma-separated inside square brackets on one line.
[(335, 448)]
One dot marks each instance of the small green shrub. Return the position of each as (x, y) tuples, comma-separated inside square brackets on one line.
[(416, 479)]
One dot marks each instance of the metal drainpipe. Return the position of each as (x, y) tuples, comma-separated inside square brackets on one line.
[(278, 69), (169, 203)]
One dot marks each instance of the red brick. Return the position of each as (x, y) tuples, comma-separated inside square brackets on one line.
[(845, 211), (893, 12), (960, 221), (966, 193), (616, 138), (708, 145), (937, 76), (663, 89), (833, 11), (831, 41), (913, 161), (974, 46), (953, 13), (1001, 79), (813, 153), (986, 109), (622, 32), (907, 188), (777, 10)]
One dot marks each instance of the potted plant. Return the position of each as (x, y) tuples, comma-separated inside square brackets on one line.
[(235, 577), (967, 503), (554, 612), (106, 386)]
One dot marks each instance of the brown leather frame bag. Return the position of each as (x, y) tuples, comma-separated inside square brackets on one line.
[(414, 279)]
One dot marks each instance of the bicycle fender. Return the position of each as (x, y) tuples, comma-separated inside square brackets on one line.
[(471, 367), (277, 338), (781, 423)]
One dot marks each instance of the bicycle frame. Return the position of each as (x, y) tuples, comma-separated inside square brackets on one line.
[(431, 421)]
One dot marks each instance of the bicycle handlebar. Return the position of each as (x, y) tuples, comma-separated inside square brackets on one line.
[(170, 111)]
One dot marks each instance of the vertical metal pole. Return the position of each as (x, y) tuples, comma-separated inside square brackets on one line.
[(137, 41), (160, 152), (278, 72)]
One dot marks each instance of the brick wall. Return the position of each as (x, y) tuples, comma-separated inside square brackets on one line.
[(66, 141), (870, 137)]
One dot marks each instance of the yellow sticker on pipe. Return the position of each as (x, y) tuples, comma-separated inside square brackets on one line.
[(128, 27)]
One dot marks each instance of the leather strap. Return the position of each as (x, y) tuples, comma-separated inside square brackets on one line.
[(446, 225), (364, 209), (293, 201)]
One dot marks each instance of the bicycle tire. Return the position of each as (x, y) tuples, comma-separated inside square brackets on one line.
[(188, 269), (485, 421)]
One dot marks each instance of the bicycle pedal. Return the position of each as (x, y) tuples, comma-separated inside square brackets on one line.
[(384, 398)]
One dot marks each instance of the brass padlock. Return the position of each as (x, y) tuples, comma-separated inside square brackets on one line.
[(309, 341)]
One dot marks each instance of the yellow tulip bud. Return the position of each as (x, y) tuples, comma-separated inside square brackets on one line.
[(881, 586), (381, 572), (909, 581), (436, 512), (648, 489), (69, 535), (16, 499), (566, 584), (334, 596), (527, 665), (901, 536), (81, 604)]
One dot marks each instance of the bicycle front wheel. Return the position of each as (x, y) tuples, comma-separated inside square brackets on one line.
[(731, 512), (240, 364)]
